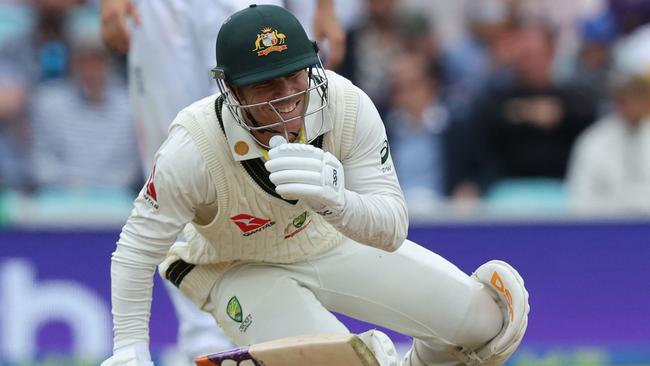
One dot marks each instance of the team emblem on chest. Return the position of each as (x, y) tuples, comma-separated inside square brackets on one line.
[(298, 224)]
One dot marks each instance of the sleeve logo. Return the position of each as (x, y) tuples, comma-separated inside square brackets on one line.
[(384, 156), (384, 152), (150, 195)]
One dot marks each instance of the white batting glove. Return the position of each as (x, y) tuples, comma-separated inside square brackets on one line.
[(305, 172), (136, 354), (381, 346)]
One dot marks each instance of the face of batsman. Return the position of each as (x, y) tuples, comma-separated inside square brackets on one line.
[(270, 75), (275, 107)]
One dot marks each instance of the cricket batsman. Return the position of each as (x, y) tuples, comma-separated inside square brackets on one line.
[(170, 46), (284, 186)]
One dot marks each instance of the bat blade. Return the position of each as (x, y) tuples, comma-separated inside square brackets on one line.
[(322, 349)]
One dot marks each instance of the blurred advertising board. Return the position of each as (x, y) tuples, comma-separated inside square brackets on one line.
[(588, 281)]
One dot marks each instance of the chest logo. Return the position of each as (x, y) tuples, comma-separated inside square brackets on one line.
[(296, 225), (250, 225)]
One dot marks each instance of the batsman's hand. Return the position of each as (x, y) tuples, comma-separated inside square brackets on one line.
[(132, 355), (115, 30), (305, 172)]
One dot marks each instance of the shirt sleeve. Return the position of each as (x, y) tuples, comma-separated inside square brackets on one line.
[(179, 182), (375, 212)]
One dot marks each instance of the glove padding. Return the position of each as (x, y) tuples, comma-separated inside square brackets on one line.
[(305, 172), (507, 288), (133, 355)]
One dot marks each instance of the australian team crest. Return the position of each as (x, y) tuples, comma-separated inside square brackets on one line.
[(297, 224), (270, 40)]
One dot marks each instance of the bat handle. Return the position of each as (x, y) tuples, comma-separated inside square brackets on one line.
[(276, 141)]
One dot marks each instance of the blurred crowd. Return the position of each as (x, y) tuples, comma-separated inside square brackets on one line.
[(64, 110), (519, 103)]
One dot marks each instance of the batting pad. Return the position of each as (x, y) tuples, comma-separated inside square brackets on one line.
[(321, 349)]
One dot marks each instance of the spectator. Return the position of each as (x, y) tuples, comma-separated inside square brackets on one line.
[(14, 139), (37, 54), (41, 52), (83, 132), (371, 47), (590, 68), (416, 124), (417, 36), (470, 63), (527, 129), (610, 165), (564, 17)]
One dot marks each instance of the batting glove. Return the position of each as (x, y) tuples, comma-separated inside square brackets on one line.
[(305, 172), (381, 346), (132, 355)]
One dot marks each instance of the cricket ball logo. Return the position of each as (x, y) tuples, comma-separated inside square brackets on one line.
[(270, 40)]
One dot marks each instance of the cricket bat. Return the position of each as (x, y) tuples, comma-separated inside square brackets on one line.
[(321, 349)]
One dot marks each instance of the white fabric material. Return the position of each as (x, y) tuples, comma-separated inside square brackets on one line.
[(198, 333), (375, 212), (274, 246), (301, 171), (609, 170), (432, 301), (136, 354), (260, 227), (149, 232)]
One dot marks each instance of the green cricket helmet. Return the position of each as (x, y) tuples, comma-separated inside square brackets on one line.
[(261, 43)]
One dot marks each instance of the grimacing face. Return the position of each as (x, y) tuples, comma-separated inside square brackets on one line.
[(268, 114)]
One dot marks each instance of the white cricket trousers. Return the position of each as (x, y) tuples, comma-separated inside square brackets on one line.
[(412, 291)]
